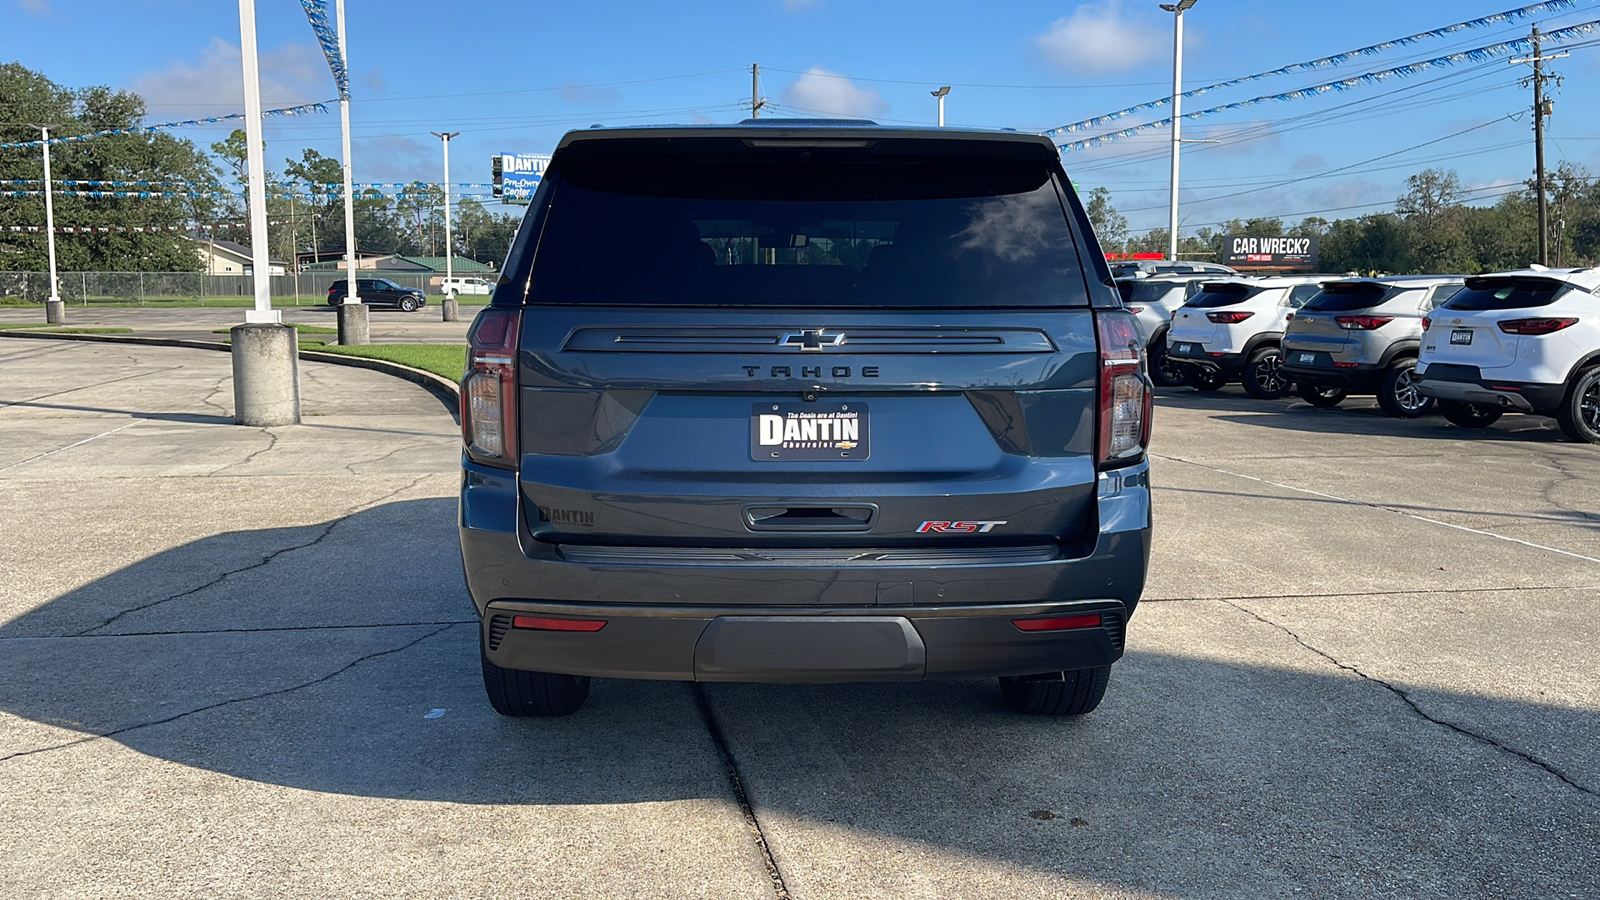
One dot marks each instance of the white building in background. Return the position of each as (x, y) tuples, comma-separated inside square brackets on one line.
[(230, 258)]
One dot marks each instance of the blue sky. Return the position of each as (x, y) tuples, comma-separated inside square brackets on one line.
[(514, 76)]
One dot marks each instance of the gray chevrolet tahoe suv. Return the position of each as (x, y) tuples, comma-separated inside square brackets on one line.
[(791, 402)]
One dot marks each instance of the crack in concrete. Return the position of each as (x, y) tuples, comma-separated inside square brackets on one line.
[(88, 386), (1417, 708), (272, 443), (327, 529), (277, 629), (215, 390), (780, 890), (218, 705), (350, 466)]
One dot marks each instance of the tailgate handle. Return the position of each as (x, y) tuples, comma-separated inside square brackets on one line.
[(822, 517)]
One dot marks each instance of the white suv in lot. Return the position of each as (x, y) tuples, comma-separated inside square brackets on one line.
[(1234, 328), (1526, 341), (1152, 301), (460, 284)]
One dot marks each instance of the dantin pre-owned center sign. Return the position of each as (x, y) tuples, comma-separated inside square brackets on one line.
[(519, 175), (1283, 254)]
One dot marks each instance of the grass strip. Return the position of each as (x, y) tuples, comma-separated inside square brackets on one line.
[(445, 360), (86, 331), (12, 326)]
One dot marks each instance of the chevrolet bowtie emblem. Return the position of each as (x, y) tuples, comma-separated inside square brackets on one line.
[(811, 341)]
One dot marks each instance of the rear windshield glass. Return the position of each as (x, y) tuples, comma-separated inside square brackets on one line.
[(717, 222), (1506, 293), (1339, 297), (1147, 292), (1212, 296)]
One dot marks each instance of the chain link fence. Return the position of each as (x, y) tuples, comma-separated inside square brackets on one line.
[(187, 288)]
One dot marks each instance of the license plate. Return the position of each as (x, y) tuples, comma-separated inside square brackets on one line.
[(809, 431), (1306, 358), (1461, 336), (1186, 349)]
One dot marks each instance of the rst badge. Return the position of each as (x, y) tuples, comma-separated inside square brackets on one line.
[(812, 431), (958, 527)]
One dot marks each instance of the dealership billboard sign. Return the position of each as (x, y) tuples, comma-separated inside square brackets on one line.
[(1284, 254), (517, 175)]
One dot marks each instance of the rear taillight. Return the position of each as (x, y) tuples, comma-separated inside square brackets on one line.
[(1535, 326), (1136, 310), (1228, 318), (1125, 402), (1427, 322), (1059, 623), (489, 387), (541, 623), (1362, 323)]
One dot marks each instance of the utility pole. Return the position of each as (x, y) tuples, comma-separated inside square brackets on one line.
[(1542, 107), (941, 93), (451, 310), (756, 101), (55, 312)]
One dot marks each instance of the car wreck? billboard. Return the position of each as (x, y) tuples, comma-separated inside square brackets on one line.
[(1275, 254)]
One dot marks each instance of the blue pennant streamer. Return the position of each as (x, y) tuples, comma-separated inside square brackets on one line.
[(1478, 55), (317, 15), (1510, 15), (301, 110)]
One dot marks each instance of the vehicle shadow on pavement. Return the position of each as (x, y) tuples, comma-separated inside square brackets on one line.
[(347, 663), (192, 418), (1359, 416)]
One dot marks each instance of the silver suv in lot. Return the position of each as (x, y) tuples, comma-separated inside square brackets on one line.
[(1362, 336), (834, 402)]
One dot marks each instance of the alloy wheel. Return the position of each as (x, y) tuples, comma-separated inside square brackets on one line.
[(1406, 392)]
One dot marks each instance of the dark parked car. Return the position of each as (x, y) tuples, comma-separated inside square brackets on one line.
[(834, 402), (378, 292)]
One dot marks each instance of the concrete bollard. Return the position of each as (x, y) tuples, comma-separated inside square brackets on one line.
[(354, 324), (452, 309), (55, 312), (266, 375)]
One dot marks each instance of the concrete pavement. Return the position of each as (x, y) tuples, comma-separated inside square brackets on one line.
[(239, 662)]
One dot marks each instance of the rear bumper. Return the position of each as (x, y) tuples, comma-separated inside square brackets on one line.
[(784, 646), (760, 621), (1361, 378), (1466, 384), (1225, 363)]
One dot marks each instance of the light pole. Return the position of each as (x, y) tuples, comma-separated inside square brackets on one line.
[(451, 311), (1177, 10), (353, 316), (266, 373), (941, 93), (55, 312)]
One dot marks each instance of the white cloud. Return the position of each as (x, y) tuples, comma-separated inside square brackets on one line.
[(820, 92), (1096, 37), (290, 75), (37, 7)]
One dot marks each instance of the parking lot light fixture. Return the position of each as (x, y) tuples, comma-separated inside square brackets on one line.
[(1177, 10), (941, 93)]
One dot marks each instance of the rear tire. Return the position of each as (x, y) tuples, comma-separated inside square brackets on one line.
[(1579, 414), (1469, 415), (1163, 371), (1319, 396), (1263, 376), (1206, 380), (1399, 396), (1074, 694), (521, 694)]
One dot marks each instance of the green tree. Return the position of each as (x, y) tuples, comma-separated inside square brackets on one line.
[(1110, 226), (26, 97)]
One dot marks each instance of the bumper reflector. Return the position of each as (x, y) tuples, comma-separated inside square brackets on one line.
[(538, 623), (1063, 623)]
